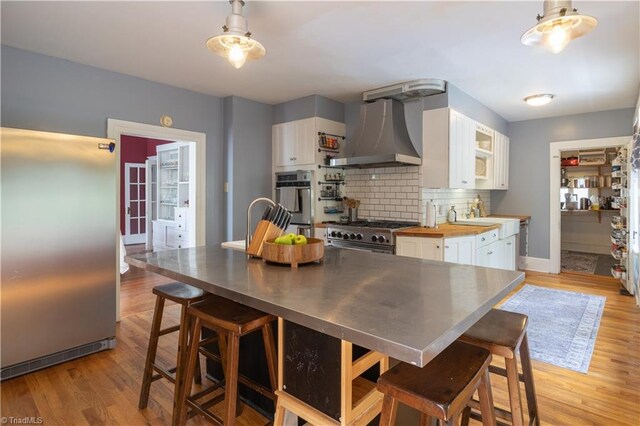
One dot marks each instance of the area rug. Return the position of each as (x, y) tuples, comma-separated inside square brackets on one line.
[(572, 261), (563, 325)]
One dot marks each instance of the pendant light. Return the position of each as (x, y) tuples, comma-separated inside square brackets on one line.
[(560, 24), (235, 43)]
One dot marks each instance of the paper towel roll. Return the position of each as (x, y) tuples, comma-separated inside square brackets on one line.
[(431, 214)]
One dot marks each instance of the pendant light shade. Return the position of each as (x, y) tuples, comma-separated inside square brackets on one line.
[(235, 43), (560, 24)]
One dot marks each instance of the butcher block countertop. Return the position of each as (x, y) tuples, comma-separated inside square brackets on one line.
[(521, 217), (444, 230)]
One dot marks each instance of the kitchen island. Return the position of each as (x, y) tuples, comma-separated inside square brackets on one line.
[(409, 309)]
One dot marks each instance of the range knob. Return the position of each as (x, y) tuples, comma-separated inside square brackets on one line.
[(374, 238), (333, 233), (381, 239), (352, 236), (359, 236), (346, 236), (339, 234)]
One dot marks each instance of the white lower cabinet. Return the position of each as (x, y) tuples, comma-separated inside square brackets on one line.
[(321, 234), (420, 247), (479, 250), (509, 253), (170, 234), (460, 250), (490, 256)]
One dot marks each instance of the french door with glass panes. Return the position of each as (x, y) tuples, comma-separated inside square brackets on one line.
[(135, 203)]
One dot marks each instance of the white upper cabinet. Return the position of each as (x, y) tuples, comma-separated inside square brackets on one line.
[(501, 162), (448, 139), (294, 143)]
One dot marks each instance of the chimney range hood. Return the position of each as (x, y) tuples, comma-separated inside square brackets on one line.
[(382, 138)]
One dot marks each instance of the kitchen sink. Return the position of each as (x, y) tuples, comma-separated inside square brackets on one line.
[(508, 227)]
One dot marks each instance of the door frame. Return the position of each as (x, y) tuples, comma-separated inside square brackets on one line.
[(127, 238), (555, 218), (115, 130)]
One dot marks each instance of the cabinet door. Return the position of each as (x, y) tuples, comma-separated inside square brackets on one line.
[(460, 250), (508, 253), (419, 247), (501, 162), (305, 142), (461, 151), (489, 256), (278, 145)]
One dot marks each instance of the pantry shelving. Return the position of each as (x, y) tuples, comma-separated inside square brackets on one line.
[(619, 232)]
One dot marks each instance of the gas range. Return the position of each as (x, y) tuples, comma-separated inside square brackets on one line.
[(366, 235)]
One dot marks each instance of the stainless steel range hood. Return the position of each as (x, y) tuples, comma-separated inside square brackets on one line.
[(381, 139)]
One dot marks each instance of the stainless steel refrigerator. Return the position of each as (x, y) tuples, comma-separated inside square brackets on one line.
[(58, 253)]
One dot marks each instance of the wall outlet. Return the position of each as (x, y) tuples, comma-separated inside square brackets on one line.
[(226, 187)]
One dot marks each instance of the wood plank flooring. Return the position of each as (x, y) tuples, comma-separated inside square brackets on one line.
[(103, 388)]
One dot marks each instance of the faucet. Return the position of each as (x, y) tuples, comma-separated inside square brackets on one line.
[(254, 202)]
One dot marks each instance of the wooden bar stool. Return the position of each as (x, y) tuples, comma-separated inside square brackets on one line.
[(504, 333), (442, 388), (231, 321), (184, 295)]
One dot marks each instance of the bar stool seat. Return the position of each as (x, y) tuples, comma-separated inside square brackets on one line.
[(442, 388), (504, 334), (231, 321), (184, 295)]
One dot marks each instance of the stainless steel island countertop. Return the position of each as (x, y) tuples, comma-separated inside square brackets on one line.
[(409, 309)]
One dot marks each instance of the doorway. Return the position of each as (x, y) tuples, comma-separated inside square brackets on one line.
[(138, 190), (116, 130), (580, 230)]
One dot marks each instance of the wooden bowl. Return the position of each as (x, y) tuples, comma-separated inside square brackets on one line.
[(293, 255)]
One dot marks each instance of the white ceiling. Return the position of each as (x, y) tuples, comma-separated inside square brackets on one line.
[(339, 49)]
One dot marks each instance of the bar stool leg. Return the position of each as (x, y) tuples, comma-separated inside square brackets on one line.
[(151, 353), (181, 409), (270, 350), (529, 387), (389, 411), (513, 384), (231, 385), (486, 400), (183, 341)]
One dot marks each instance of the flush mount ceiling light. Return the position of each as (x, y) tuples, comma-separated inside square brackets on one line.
[(236, 43), (539, 100), (559, 24)]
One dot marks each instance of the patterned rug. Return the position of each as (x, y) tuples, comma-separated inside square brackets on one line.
[(563, 325), (572, 261)]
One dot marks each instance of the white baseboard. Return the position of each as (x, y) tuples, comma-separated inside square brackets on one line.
[(536, 264)]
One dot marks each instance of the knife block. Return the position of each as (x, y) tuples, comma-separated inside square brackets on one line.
[(265, 230)]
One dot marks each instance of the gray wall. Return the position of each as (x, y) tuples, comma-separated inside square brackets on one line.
[(529, 164), (247, 150), (309, 106), (470, 107), (49, 94)]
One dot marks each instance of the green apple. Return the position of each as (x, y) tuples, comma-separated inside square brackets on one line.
[(291, 237), (283, 240), (300, 239)]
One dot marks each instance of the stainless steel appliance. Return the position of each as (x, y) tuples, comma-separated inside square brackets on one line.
[(59, 236), (376, 236), (294, 190)]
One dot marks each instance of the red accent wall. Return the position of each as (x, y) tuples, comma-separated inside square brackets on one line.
[(134, 149)]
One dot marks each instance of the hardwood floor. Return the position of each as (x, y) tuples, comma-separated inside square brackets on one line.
[(103, 388)]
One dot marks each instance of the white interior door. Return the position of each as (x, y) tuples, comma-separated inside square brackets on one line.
[(135, 203)]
